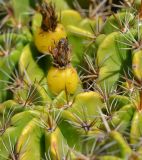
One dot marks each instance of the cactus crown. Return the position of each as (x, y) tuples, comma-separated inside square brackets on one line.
[(49, 17), (61, 53)]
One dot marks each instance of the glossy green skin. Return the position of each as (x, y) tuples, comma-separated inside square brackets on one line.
[(118, 101), (66, 20), (9, 63), (99, 40), (120, 109), (36, 22), (136, 64), (28, 63), (111, 57), (136, 128), (9, 106), (87, 105), (125, 150), (35, 93), (109, 72), (60, 100), (18, 134), (30, 150), (19, 11), (55, 144), (112, 23), (35, 67), (80, 39), (12, 134), (87, 109), (125, 114), (77, 49), (60, 5), (90, 24), (71, 133)]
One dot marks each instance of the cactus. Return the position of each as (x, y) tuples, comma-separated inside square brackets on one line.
[(70, 80)]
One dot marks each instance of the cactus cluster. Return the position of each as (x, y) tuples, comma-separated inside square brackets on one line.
[(70, 80)]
